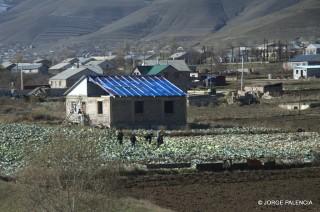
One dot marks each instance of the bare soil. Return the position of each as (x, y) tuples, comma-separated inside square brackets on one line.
[(237, 191)]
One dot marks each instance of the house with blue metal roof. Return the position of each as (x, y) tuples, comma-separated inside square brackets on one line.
[(126, 102), (302, 60)]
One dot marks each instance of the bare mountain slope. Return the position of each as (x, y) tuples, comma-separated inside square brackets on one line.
[(51, 20), (74, 22), (300, 19)]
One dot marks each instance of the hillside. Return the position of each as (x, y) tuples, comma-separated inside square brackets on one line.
[(42, 21), (301, 19), (76, 22)]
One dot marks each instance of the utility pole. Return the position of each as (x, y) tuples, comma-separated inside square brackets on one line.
[(300, 97), (242, 74), (21, 77)]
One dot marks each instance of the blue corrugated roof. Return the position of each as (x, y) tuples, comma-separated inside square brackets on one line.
[(129, 86), (306, 58)]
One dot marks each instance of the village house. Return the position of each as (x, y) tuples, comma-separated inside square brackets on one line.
[(179, 78), (44, 62), (30, 68), (179, 56), (85, 60), (304, 72), (70, 76), (58, 68), (273, 90), (126, 102), (71, 60), (302, 60), (180, 65), (8, 65), (313, 49), (104, 65)]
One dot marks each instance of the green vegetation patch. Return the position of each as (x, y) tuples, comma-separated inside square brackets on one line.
[(20, 141)]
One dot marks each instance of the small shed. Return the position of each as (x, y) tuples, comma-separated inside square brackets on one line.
[(275, 89), (126, 102)]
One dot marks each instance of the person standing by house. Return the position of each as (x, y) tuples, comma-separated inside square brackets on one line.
[(149, 136), (81, 120), (160, 138), (133, 139), (120, 136)]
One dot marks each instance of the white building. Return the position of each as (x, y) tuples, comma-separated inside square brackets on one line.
[(306, 72), (302, 60), (313, 49)]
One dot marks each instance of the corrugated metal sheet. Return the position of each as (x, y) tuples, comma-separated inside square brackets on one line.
[(132, 86), (73, 71), (157, 69), (306, 58)]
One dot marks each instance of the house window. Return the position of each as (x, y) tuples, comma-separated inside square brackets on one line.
[(168, 107), (59, 83), (100, 107), (297, 71), (139, 107)]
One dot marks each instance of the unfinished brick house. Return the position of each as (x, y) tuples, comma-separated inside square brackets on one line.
[(126, 102)]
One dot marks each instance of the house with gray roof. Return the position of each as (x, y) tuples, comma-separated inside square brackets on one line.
[(180, 65), (72, 60), (85, 60), (103, 65), (70, 76), (30, 68), (60, 67), (179, 78)]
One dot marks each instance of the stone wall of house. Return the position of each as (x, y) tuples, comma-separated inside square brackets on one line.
[(123, 112), (120, 112), (89, 108)]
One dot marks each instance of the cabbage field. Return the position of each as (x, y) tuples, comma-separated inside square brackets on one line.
[(20, 140)]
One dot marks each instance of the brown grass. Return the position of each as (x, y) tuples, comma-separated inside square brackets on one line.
[(261, 115), (21, 110)]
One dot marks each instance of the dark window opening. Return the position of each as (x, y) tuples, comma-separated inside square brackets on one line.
[(100, 107), (169, 107), (139, 107)]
